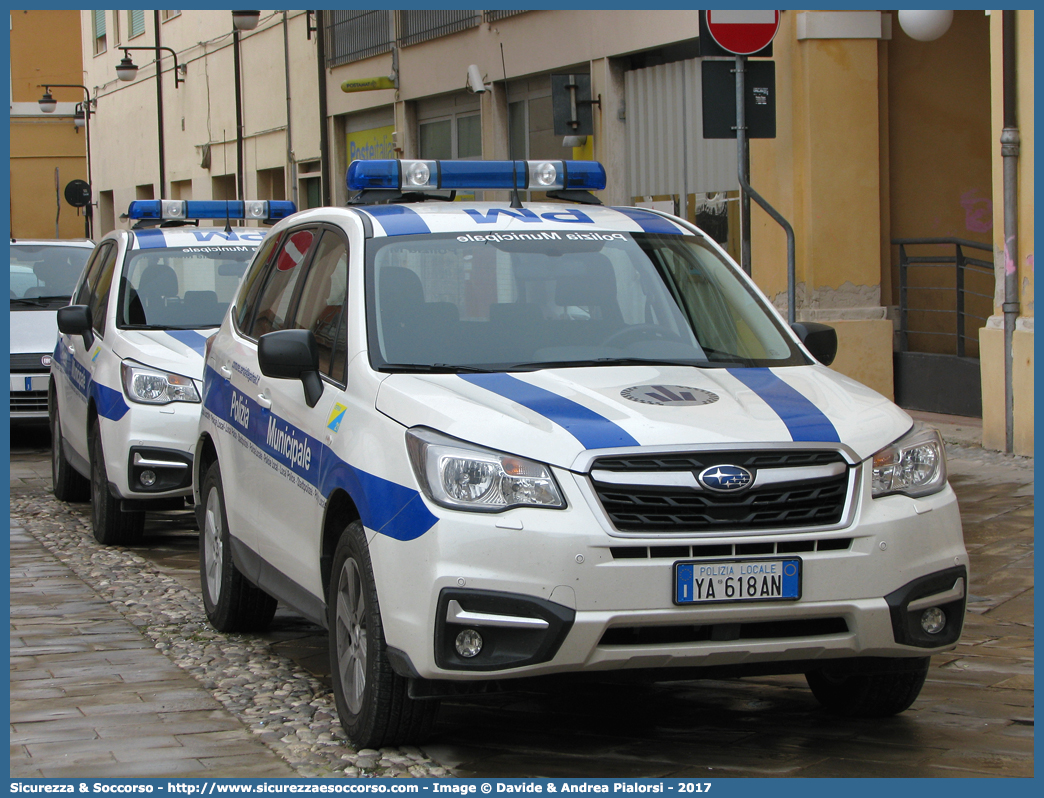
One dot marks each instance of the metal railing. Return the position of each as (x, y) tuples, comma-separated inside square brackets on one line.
[(963, 267)]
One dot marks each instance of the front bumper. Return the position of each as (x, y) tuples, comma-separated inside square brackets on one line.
[(855, 580)]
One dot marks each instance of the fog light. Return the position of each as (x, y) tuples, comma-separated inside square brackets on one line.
[(933, 620), (147, 478), (468, 643)]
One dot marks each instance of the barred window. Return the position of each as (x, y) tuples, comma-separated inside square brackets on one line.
[(354, 35), (493, 16), (420, 26)]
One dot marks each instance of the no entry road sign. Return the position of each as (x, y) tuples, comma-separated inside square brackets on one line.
[(743, 32)]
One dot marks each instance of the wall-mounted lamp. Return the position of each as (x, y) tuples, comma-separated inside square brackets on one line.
[(127, 70), (925, 26), (47, 102), (80, 116), (245, 20), (311, 25)]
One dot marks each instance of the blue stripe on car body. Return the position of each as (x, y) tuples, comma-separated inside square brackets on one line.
[(150, 239), (192, 339), (384, 506), (804, 420), (591, 429), (398, 220), (651, 222)]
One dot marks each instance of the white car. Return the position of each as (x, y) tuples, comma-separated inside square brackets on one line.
[(486, 441), (43, 273), (126, 378)]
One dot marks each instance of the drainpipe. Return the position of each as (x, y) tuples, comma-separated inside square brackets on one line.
[(239, 115), (1010, 155), (159, 108), (324, 133), (289, 134)]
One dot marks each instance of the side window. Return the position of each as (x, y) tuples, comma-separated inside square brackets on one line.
[(322, 304), (90, 279), (252, 283), (99, 301), (274, 304)]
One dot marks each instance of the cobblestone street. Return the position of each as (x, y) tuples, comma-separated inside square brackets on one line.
[(115, 672)]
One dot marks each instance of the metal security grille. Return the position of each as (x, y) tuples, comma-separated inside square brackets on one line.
[(354, 35), (493, 16), (420, 26), (637, 507)]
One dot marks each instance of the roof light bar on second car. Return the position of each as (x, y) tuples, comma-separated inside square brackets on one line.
[(172, 210), (433, 175)]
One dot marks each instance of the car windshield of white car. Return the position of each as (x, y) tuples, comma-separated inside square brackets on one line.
[(514, 302), (43, 275), (186, 287)]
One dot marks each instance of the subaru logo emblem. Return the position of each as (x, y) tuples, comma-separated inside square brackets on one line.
[(725, 478)]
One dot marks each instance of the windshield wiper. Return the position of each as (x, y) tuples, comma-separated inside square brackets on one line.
[(437, 368), (38, 301), (618, 361)]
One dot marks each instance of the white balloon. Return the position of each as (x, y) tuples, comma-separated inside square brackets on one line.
[(925, 26)]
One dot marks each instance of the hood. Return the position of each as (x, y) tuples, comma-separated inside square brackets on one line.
[(33, 331), (555, 415), (177, 351)]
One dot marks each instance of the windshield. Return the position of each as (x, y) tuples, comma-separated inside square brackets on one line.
[(497, 302), (187, 287), (43, 271)]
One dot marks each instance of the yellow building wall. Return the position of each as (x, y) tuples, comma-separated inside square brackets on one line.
[(994, 431), (40, 144)]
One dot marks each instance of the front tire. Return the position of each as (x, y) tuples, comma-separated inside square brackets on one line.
[(232, 603), (372, 700), (112, 526), (885, 687), (66, 482)]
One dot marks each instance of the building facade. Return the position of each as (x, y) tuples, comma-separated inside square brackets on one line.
[(47, 149), (886, 155)]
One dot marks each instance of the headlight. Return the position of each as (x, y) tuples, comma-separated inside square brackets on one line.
[(154, 387), (915, 465), (464, 477)]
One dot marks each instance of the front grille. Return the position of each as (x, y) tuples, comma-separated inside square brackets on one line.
[(715, 551), (722, 632), (29, 402), (29, 364), (670, 509)]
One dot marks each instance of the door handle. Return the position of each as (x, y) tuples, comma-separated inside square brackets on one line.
[(226, 372), (264, 401)]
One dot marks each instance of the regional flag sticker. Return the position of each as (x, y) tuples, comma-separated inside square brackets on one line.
[(95, 353), (336, 417)]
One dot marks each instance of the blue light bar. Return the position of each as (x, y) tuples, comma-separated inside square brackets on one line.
[(472, 175), (166, 210)]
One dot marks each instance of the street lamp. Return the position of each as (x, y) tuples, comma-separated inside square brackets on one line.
[(127, 70), (81, 118), (245, 20)]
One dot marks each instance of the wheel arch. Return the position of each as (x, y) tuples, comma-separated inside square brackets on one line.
[(340, 511)]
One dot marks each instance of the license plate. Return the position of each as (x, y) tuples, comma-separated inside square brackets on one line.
[(20, 384), (717, 581)]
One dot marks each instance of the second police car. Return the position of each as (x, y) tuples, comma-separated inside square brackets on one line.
[(486, 441), (124, 395)]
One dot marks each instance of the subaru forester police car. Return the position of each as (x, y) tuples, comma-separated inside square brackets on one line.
[(124, 393), (487, 441)]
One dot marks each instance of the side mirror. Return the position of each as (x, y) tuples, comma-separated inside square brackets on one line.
[(76, 320), (292, 355), (819, 339)]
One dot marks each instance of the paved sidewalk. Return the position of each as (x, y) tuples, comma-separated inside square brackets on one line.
[(90, 696)]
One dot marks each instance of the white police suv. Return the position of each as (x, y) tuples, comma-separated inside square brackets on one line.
[(487, 441), (124, 393)]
